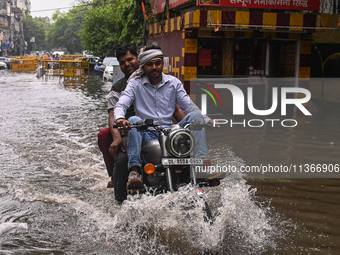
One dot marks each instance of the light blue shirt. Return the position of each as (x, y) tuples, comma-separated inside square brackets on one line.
[(151, 102)]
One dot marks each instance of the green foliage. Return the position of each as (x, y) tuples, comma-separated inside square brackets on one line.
[(65, 29), (132, 18), (100, 31), (97, 26), (43, 22), (111, 23), (35, 27)]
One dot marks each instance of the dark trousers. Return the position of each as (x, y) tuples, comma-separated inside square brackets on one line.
[(117, 168)]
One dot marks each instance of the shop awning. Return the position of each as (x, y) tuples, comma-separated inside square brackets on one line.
[(267, 21), (246, 20)]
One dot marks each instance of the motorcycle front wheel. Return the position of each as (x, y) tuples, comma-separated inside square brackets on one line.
[(207, 216), (191, 204)]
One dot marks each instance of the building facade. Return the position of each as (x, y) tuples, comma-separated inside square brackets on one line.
[(243, 38), (11, 26)]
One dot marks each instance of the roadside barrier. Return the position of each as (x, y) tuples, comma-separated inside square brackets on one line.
[(24, 63), (74, 66), (49, 67)]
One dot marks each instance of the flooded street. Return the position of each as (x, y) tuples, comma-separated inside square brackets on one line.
[(53, 178)]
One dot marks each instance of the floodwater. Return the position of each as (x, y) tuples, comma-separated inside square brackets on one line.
[(52, 177)]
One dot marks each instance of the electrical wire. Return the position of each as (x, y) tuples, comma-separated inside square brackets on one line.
[(60, 8), (46, 10)]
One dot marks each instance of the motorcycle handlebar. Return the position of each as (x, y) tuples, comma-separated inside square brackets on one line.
[(143, 125), (139, 125)]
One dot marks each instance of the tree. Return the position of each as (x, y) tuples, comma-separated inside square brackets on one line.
[(132, 19), (44, 22), (65, 29), (111, 23), (98, 26), (101, 30), (35, 27)]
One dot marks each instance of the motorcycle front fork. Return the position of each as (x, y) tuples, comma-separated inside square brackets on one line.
[(169, 179)]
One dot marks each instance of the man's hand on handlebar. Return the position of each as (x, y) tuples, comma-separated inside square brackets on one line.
[(124, 124)]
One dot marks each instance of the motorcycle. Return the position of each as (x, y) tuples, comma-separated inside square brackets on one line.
[(167, 161)]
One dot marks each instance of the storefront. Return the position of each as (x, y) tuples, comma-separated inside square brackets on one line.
[(224, 42), (244, 45)]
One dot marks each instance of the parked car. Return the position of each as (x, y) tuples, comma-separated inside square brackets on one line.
[(112, 71), (60, 53), (106, 61), (3, 66), (6, 60), (93, 61)]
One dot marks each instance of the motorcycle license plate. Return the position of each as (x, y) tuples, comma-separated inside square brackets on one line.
[(182, 161)]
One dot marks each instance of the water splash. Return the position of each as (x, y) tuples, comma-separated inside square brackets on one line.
[(174, 222), (10, 226)]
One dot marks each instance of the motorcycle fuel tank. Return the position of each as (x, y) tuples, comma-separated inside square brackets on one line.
[(151, 152)]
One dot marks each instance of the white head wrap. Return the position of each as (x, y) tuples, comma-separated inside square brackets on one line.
[(143, 58)]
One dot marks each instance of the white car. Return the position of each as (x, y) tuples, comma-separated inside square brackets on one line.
[(3, 66), (112, 71), (105, 62), (6, 60), (93, 61)]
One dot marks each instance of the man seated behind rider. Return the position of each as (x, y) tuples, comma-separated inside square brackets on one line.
[(154, 95), (109, 139)]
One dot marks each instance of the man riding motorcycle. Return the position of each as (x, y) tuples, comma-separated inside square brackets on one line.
[(154, 96)]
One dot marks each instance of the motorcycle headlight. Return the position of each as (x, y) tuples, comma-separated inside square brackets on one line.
[(180, 143)]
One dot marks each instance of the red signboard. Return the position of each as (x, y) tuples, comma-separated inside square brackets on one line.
[(312, 5), (158, 5), (204, 57)]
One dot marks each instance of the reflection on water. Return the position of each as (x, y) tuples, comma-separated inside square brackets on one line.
[(52, 177), (306, 205), (311, 142)]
